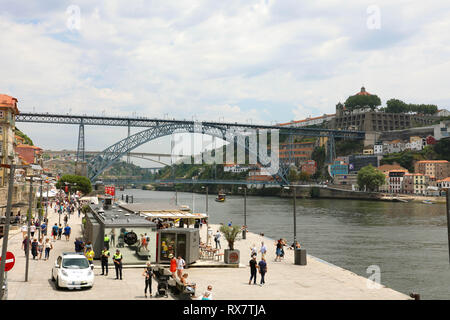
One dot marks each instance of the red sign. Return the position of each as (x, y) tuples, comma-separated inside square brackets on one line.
[(10, 260), (110, 190)]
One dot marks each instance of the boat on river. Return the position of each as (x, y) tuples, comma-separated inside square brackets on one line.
[(427, 201), (220, 197)]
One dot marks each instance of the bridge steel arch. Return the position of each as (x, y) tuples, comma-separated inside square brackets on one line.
[(113, 153)]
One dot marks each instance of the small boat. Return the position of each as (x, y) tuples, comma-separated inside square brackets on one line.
[(184, 208), (427, 201), (399, 200), (220, 197)]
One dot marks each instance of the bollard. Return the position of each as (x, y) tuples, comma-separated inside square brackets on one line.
[(126, 199), (244, 234), (300, 257)]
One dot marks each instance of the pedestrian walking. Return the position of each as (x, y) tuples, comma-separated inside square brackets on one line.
[(65, 220), (34, 248), (67, 231), (48, 246), (253, 251), (148, 274), (78, 245), (44, 228), (180, 266), (24, 230), (262, 269), (90, 256), (25, 243), (117, 258), (104, 259), (79, 212), (55, 231), (41, 247), (60, 230), (217, 240), (263, 249), (112, 235), (173, 265), (147, 241), (32, 230), (253, 268), (279, 247)]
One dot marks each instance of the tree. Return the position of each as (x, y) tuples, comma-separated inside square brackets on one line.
[(230, 234), (83, 184), (371, 178), (303, 176), (319, 155), (293, 176), (361, 101), (442, 148)]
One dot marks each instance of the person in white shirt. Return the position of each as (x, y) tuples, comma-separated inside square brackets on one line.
[(32, 230), (208, 294), (254, 251), (24, 230), (180, 266), (263, 250)]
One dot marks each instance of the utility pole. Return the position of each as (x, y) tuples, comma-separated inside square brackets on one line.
[(244, 235), (30, 208), (447, 191), (12, 169), (40, 210), (295, 215)]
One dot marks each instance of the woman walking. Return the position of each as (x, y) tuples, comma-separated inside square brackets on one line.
[(148, 274), (48, 246), (41, 247), (34, 248), (279, 247)]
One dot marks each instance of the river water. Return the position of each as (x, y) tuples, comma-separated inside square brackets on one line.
[(407, 241)]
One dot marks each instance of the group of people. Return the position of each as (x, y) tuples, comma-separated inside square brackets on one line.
[(255, 265), (37, 247)]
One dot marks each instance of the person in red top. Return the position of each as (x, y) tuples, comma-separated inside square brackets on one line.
[(173, 265)]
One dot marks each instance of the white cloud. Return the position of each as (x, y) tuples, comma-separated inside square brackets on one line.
[(240, 60)]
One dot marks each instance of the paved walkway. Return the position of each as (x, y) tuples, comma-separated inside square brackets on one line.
[(40, 286), (284, 280)]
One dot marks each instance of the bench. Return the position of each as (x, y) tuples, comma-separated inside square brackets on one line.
[(219, 256), (182, 290)]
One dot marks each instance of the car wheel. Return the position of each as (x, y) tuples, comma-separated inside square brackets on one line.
[(57, 283)]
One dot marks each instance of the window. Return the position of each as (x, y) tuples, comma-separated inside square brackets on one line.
[(2, 114)]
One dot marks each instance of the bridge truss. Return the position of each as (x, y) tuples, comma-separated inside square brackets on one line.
[(157, 128)]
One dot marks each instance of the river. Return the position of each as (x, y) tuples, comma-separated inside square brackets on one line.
[(407, 241)]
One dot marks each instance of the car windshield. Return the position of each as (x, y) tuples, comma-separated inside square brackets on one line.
[(75, 263)]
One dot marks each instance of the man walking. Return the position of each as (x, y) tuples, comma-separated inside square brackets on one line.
[(67, 231), (104, 258), (217, 240), (117, 258), (263, 249), (253, 267), (106, 241), (262, 269)]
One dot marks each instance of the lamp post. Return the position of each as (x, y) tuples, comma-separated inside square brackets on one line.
[(40, 210), (12, 167), (294, 211), (29, 215), (244, 232), (207, 220)]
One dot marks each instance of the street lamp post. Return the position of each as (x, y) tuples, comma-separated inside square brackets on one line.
[(40, 208), (294, 196), (244, 232), (207, 219), (29, 215)]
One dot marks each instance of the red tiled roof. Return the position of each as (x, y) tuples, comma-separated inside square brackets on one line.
[(9, 102), (363, 92)]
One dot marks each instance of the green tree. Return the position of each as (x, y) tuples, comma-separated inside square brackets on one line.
[(371, 178), (319, 155), (442, 148), (359, 101), (293, 175), (83, 184)]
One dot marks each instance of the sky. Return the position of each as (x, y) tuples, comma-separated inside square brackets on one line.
[(249, 61)]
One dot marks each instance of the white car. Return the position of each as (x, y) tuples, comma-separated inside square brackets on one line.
[(72, 270)]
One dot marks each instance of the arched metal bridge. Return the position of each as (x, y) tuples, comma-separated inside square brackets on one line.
[(161, 127)]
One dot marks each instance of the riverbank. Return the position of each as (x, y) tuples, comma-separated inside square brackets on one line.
[(323, 192), (318, 280)]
